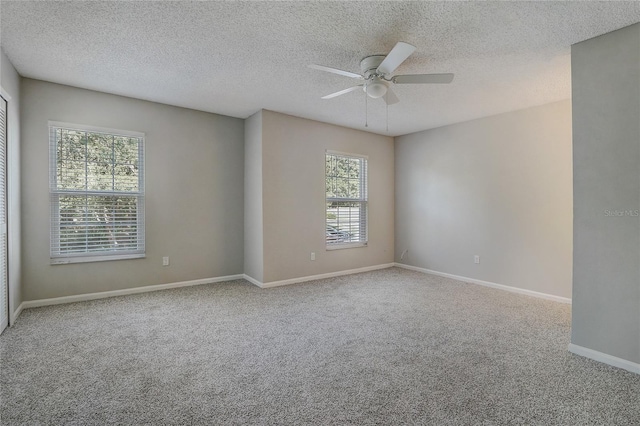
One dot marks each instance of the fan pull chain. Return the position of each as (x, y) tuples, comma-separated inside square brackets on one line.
[(366, 111), (386, 101)]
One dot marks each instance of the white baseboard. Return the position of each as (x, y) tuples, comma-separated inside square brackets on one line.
[(135, 290), (489, 284), (123, 292), (16, 314), (252, 280), (104, 294), (605, 358), (316, 277)]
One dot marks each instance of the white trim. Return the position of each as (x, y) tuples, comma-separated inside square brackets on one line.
[(15, 315), (605, 358), (532, 293), (341, 246), (101, 258), (316, 277), (96, 129), (252, 280), (345, 154), (124, 292), (5, 94)]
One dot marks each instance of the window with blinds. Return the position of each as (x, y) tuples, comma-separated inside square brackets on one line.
[(346, 198), (96, 192)]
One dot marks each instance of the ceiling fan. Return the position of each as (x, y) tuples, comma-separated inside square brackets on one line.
[(376, 73)]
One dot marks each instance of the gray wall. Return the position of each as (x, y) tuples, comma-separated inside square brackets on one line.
[(499, 187), (253, 225), (194, 191), (10, 82), (293, 188), (606, 147)]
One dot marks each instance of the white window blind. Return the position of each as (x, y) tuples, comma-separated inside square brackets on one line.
[(97, 193), (346, 200)]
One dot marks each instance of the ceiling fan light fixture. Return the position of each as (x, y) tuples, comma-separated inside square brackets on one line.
[(375, 88), (376, 76)]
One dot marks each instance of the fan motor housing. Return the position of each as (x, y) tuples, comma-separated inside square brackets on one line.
[(370, 64)]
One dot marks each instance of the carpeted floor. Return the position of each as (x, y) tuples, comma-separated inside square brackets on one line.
[(386, 347)]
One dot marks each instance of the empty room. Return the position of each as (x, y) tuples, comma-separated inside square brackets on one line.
[(320, 212)]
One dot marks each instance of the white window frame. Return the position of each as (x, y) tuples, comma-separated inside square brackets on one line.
[(363, 200), (58, 258)]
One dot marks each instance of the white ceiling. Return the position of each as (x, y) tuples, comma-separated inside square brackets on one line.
[(235, 58)]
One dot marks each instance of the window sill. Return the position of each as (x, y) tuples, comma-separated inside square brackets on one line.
[(98, 258), (345, 246)]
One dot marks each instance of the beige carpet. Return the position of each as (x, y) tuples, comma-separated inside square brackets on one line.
[(386, 347)]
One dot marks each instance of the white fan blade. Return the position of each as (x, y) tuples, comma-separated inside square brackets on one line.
[(398, 54), (335, 71), (423, 79), (342, 92), (390, 98)]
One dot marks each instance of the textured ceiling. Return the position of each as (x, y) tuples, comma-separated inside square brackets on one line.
[(235, 58)]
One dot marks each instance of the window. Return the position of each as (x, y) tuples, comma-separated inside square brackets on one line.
[(96, 193), (346, 196)]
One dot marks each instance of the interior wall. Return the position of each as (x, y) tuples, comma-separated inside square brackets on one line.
[(293, 171), (499, 187), (253, 225), (194, 173), (606, 146), (10, 82)]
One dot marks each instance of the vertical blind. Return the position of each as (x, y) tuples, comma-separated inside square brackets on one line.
[(346, 199), (97, 192)]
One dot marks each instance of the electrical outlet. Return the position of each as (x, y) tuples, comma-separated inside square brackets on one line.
[(313, 256), (476, 259), (165, 261)]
